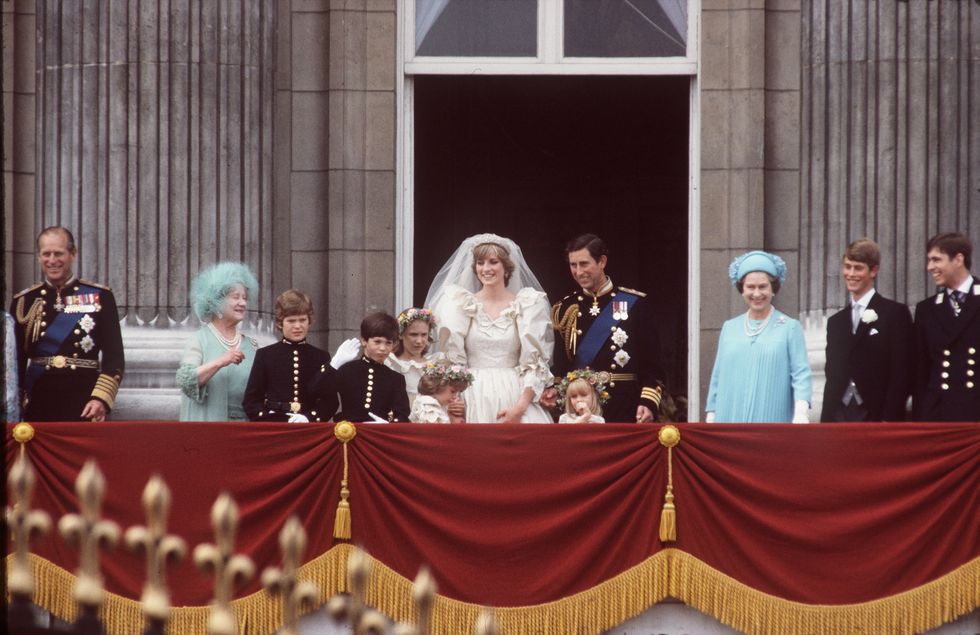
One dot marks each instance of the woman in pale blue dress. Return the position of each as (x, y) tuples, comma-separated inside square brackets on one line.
[(761, 373), (218, 358)]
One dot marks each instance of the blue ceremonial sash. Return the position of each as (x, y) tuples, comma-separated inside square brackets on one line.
[(600, 331), (54, 336)]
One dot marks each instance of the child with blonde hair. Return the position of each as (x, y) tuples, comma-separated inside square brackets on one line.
[(582, 393), (439, 388)]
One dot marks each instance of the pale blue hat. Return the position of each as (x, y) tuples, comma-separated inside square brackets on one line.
[(757, 261)]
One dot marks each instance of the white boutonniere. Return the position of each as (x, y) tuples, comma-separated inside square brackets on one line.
[(869, 316), (619, 337), (622, 358)]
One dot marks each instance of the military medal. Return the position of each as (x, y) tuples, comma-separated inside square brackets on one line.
[(620, 309), (58, 304), (594, 309)]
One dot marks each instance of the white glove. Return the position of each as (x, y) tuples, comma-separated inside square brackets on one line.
[(800, 410), (709, 417), (297, 417), (348, 351)]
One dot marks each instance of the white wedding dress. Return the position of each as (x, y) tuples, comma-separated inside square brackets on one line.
[(505, 354)]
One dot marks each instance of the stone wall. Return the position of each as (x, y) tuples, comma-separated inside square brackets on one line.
[(890, 137)]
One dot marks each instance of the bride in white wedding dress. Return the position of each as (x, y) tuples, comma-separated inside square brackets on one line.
[(494, 317)]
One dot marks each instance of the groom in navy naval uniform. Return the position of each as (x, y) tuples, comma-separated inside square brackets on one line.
[(609, 329), (868, 346), (947, 335)]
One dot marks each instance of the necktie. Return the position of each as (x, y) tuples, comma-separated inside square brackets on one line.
[(856, 311), (956, 300)]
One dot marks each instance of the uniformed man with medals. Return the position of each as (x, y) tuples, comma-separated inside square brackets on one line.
[(608, 329), (69, 344)]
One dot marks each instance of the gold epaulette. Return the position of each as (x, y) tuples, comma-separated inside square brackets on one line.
[(633, 291), (89, 283), (28, 290), (567, 326)]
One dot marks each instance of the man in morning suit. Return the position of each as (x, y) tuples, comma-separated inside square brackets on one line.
[(869, 346), (611, 329), (63, 326), (947, 335)]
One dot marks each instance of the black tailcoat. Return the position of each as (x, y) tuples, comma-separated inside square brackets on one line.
[(288, 377), (572, 320), (66, 384), (367, 386), (947, 366), (877, 358)]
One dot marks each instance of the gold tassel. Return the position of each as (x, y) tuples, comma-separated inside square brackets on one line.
[(668, 517), (344, 431), (669, 437)]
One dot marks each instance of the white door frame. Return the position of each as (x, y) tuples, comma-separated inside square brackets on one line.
[(548, 62)]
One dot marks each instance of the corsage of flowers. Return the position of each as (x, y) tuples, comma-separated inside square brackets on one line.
[(869, 315), (597, 379), (408, 316), (449, 372)]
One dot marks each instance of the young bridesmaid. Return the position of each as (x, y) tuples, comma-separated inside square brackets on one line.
[(439, 390), (415, 328), (583, 392)]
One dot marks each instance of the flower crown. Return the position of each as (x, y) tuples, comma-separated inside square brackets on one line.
[(449, 372), (597, 379), (408, 316)]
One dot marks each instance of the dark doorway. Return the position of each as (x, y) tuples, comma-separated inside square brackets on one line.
[(543, 159)]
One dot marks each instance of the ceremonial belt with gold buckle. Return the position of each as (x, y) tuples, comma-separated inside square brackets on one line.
[(285, 406), (622, 377), (60, 361)]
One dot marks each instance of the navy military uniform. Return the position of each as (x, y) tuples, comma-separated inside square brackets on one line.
[(947, 383), (287, 378), (61, 336), (612, 331), (366, 386)]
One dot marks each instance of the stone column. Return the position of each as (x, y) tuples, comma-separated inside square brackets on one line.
[(335, 93), (154, 143), (18, 145), (890, 137)]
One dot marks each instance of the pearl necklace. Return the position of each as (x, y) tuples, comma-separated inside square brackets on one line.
[(752, 331), (227, 343)]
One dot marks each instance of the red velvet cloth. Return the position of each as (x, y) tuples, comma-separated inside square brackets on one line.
[(511, 515)]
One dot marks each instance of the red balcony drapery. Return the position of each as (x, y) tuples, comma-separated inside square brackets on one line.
[(834, 524)]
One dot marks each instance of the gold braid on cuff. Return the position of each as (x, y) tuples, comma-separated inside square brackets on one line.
[(654, 394), (106, 388)]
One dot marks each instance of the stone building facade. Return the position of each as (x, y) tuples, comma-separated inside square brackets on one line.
[(278, 132)]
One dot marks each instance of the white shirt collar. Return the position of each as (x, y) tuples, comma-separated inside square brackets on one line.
[(865, 299), (965, 287)]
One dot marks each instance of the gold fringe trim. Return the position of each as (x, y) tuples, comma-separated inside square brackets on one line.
[(669, 573)]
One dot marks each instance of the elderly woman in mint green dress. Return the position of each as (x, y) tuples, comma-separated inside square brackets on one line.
[(218, 358), (761, 373)]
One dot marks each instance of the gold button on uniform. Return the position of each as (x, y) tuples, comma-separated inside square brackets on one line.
[(945, 386), (971, 350), (945, 364), (945, 375), (969, 384), (946, 352)]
